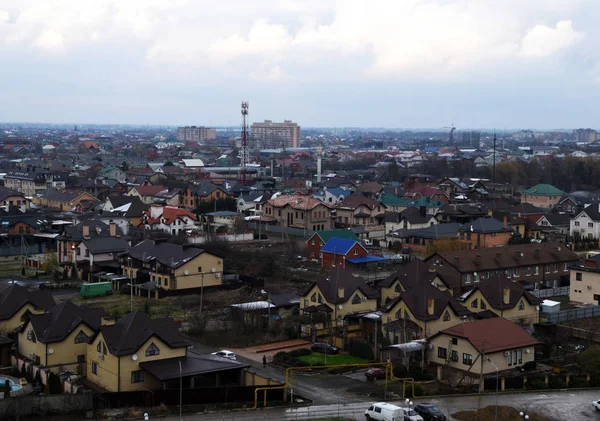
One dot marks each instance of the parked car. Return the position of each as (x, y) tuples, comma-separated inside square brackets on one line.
[(375, 373), (596, 405), (382, 411), (324, 348), (579, 348), (429, 412), (225, 354), (411, 415)]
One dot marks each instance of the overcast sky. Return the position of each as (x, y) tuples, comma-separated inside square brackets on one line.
[(376, 63)]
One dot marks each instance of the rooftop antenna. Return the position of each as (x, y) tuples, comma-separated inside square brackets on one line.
[(244, 147)]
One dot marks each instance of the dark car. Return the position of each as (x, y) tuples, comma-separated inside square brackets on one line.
[(375, 373), (430, 412), (324, 348)]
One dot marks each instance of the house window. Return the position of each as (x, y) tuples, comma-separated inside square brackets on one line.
[(81, 337), (467, 359), (166, 282), (99, 346), (87, 253), (474, 303), (566, 267), (536, 270), (578, 276), (137, 376), (547, 268), (398, 287), (520, 356), (454, 341), (356, 252), (81, 358), (555, 267), (468, 280), (446, 316), (356, 299), (306, 304), (152, 350), (510, 360), (94, 368), (455, 356), (528, 271), (521, 305), (590, 225), (104, 348), (442, 353), (399, 314), (577, 223)]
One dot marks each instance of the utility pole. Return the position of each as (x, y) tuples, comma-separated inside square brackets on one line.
[(494, 162)]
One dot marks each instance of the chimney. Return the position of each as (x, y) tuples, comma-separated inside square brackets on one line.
[(506, 295), (112, 229), (505, 222), (340, 292), (430, 306), (86, 231), (107, 321), (423, 210)]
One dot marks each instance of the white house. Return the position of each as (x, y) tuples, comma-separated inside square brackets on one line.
[(169, 219), (586, 223)]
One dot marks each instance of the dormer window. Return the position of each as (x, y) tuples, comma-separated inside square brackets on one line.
[(152, 350), (398, 287), (81, 337), (356, 299), (446, 316)]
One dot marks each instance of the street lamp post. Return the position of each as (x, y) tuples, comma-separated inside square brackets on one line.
[(524, 415), (146, 417), (497, 374), (268, 310), (409, 403)]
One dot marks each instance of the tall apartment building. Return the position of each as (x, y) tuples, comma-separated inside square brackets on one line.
[(586, 135), (195, 134), (276, 135)]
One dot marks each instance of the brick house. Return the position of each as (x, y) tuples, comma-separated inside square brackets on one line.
[(297, 211), (485, 232), (542, 195), (335, 252), (316, 241)]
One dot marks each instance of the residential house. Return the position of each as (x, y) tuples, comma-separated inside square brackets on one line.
[(504, 298), (297, 211), (333, 195), (361, 212), (535, 265), (542, 195), (425, 241), (220, 221), (425, 191), (398, 204), (10, 197), (453, 187), (504, 345), (146, 193), (485, 232), (58, 339), (526, 211), (575, 202), (586, 224), (585, 282), (113, 173), (90, 246), (461, 213), (172, 267), (370, 189), (252, 203), (18, 303), (28, 183), (204, 192), (316, 241), (168, 219), (409, 218), (335, 252), (130, 207), (63, 200), (169, 196)]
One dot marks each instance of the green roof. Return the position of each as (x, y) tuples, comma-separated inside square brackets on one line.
[(390, 199), (544, 190), (329, 234)]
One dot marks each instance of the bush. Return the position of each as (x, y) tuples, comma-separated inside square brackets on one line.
[(557, 382), (299, 353), (281, 357), (577, 381), (530, 366), (414, 372), (536, 383)]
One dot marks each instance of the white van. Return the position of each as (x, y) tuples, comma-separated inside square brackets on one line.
[(382, 411)]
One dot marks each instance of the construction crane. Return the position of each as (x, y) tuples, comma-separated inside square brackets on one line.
[(451, 135)]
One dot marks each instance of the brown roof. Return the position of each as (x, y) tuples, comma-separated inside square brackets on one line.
[(296, 201), (340, 278), (370, 187), (357, 200), (493, 291), (494, 334), (148, 190), (13, 298), (498, 258)]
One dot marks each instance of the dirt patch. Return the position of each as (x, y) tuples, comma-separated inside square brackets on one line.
[(505, 413)]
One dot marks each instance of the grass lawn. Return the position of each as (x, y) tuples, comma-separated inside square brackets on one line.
[(340, 359)]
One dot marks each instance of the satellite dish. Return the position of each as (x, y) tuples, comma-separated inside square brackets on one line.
[(51, 351), (134, 357), (213, 270), (537, 308), (340, 307), (186, 272)]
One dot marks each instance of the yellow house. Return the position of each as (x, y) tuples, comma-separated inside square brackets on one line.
[(17, 303), (59, 338), (471, 345), (173, 267), (116, 353), (421, 312), (585, 282)]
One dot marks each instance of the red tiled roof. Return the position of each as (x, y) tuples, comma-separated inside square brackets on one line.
[(357, 200), (496, 334), (169, 214), (296, 202)]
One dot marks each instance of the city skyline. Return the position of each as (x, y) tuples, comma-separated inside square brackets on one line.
[(386, 64)]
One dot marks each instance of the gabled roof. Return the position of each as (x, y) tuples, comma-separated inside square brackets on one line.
[(109, 244), (370, 187), (296, 201), (485, 225), (327, 235), (557, 219), (97, 227), (5, 193), (526, 209), (171, 255), (544, 190), (356, 200), (62, 195), (13, 298), (409, 275), (494, 334), (340, 245), (61, 320), (346, 280), (414, 216), (128, 334), (147, 190), (592, 211), (169, 214), (433, 232), (493, 288)]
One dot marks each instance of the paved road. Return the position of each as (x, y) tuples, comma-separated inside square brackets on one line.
[(561, 406)]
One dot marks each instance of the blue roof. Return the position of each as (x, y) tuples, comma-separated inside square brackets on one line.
[(338, 245), (366, 259), (337, 191)]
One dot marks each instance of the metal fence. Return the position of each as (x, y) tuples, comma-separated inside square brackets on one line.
[(296, 232), (573, 314), (551, 292)]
